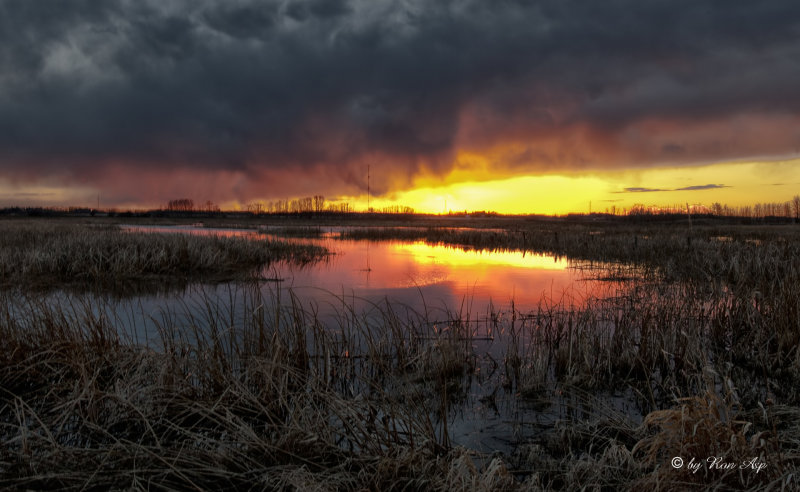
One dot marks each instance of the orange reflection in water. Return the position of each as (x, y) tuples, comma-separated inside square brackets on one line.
[(419, 274), (464, 257), (443, 275), (499, 276)]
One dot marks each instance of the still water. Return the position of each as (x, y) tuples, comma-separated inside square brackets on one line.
[(435, 281), (421, 276)]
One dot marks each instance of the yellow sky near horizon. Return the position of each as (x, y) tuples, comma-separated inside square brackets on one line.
[(732, 183)]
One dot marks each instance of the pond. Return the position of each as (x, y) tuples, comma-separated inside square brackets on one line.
[(434, 282), (422, 276)]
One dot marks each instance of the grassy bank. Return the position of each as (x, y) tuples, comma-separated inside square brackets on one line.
[(277, 402), (747, 256), (294, 231), (46, 253), (261, 392), (255, 389)]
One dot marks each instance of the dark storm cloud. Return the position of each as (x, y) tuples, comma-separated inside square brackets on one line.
[(259, 85)]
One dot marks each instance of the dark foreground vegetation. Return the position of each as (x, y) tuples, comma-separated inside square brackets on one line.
[(744, 257), (51, 253), (702, 332)]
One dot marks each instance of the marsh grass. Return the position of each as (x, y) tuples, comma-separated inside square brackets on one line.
[(694, 302), (260, 390), (257, 389), (295, 231), (753, 258), (267, 399), (50, 253)]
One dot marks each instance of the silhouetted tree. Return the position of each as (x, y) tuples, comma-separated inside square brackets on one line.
[(319, 203), (255, 207), (796, 206), (181, 204)]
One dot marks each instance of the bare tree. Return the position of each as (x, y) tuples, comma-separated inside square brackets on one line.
[(319, 203), (181, 204), (255, 207)]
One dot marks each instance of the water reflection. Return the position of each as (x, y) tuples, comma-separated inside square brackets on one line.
[(443, 275), (363, 282), (466, 257), (420, 275)]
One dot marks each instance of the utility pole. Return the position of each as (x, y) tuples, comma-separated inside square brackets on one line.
[(689, 214), (369, 208)]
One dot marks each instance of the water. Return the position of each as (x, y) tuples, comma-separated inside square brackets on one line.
[(422, 276), (434, 282)]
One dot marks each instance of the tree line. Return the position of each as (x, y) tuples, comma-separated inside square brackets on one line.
[(788, 209), (187, 205), (315, 204)]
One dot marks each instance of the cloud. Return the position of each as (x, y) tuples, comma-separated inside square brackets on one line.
[(640, 190), (685, 188), (702, 187), (32, 194), (316, 89)]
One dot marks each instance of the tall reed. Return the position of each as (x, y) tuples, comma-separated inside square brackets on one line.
[(256, 388), (53, 253), (263, 389)]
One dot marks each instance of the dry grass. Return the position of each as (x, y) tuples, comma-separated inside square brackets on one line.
[(261, 392), (754, 257), (294, 231), (257, 394), (47, 253)]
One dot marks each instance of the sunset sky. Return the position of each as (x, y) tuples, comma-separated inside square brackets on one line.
[(514, 106)]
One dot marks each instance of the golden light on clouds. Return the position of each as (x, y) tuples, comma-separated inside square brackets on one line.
[(734, 183), (473, 186)]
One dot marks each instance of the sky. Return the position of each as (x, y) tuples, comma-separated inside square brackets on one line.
[(515, 106)]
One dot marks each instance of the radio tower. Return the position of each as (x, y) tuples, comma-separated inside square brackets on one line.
[(369, 209)]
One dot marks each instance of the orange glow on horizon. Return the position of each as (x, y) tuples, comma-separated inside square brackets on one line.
[(471, 186), (741, 183)]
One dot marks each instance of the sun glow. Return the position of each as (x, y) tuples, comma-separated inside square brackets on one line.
[(736, 184)]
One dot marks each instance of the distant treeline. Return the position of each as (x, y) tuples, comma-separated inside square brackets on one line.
[(196, 213), (315, 204), (789, 209), (318, 206)]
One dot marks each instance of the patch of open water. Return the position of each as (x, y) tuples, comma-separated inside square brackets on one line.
[(437, 283)]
